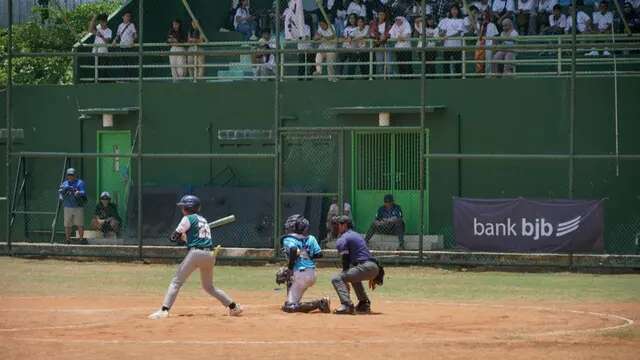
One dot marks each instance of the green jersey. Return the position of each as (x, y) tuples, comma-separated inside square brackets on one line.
[(197, 230)]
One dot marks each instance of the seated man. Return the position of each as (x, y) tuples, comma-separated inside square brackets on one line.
[(388, 221), (334, 211), (106, 217)]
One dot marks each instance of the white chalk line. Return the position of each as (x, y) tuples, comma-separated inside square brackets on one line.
[(626, 322)]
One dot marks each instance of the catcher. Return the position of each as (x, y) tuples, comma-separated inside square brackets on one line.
[(301, 250)]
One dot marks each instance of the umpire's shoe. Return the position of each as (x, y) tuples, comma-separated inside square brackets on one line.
[(363, 307), (345, 310)]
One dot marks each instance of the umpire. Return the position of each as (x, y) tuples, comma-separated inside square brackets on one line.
[(357, 266)]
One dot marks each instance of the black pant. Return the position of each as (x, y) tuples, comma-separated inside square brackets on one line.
[(453, 56), (130, 72), (404, 56), (429, 57), (388, 227), (304, 71), (357, 57)]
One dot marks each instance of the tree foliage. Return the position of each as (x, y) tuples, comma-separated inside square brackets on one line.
[(52, 29)]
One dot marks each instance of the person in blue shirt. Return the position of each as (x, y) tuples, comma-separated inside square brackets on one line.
[(388, 221), (73, 196), (194, 232), (358, 265), (301, 251)]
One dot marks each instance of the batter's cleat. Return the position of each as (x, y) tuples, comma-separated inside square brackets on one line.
[(363, 307), (160, 314), (325, 305), (345, 310), (236, 311)]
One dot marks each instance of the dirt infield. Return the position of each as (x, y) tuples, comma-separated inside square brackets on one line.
[(107, 327)]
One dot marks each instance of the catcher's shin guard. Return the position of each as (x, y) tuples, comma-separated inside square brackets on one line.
[(309, 306)]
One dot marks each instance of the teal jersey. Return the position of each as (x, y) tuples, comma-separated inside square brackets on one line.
[(197, 230), (308, 247)]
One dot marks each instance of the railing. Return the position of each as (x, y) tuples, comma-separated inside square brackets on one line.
[(534, 56)]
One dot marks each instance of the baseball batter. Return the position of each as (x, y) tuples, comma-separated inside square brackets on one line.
[(200, 245), (301, 250)]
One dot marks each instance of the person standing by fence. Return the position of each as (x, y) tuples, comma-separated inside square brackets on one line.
[(126, 36), (73, 196), (452, 26), (327, 39), (175, 38), (102, 37), (196, 62)]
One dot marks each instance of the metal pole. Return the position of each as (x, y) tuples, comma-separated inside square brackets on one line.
[(341, 199), (572, 96), (8, 121), (276, 137), (140, 116), (423, 114)]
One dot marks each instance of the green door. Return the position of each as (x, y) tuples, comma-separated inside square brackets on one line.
[(387, 163), (113, 172)]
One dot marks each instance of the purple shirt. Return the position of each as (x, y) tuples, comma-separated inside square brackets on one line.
[(353, 244)]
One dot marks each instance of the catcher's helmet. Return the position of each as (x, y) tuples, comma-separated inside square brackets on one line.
[(296, 224), (190, 203)]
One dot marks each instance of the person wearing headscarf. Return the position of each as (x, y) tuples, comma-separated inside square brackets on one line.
[(400, 34)]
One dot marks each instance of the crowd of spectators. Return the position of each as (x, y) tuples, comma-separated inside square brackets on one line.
[(399, 24)]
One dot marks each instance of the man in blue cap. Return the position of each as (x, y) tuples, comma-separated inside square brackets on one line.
[(73, 196), (388, 221)]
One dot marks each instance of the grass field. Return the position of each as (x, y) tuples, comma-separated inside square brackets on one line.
[(477, 313)]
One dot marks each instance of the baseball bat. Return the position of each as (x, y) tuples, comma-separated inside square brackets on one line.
[(222, 221)]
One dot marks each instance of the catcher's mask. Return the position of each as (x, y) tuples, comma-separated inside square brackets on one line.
[(296, 224)]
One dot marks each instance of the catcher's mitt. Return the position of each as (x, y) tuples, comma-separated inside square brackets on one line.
[(283, 276)]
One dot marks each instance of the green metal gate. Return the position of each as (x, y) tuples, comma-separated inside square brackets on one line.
[(388, 163)]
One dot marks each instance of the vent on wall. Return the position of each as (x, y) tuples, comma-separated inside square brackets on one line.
[(246, 135)]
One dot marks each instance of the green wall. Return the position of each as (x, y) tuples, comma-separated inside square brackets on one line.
[(511, 116)]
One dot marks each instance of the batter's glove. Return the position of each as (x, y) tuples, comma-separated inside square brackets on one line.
[(283, 276), (176, 237)]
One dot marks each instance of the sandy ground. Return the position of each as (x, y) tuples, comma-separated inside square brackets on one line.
[(111, 327)]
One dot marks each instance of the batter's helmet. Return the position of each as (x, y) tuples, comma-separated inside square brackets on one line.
[(296, 224), (190, 203)]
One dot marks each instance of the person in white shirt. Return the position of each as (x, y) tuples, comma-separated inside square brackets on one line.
[(603, 18), (175, 38), (327, 41), (266, 63), (557, 22), (502, 9), (526, 17), (481, 5), (507, 37), (583, 22), (359, 37), (347, 33), (358, 8), (102, 37), (102, 34), (544, 10), (243, 21), (400, 34), (602, 23), (126, 36), (379, 32), (448, 28), (307, 58), (431, 33)]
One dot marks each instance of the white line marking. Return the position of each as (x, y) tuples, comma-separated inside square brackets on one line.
[(574, 220)]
